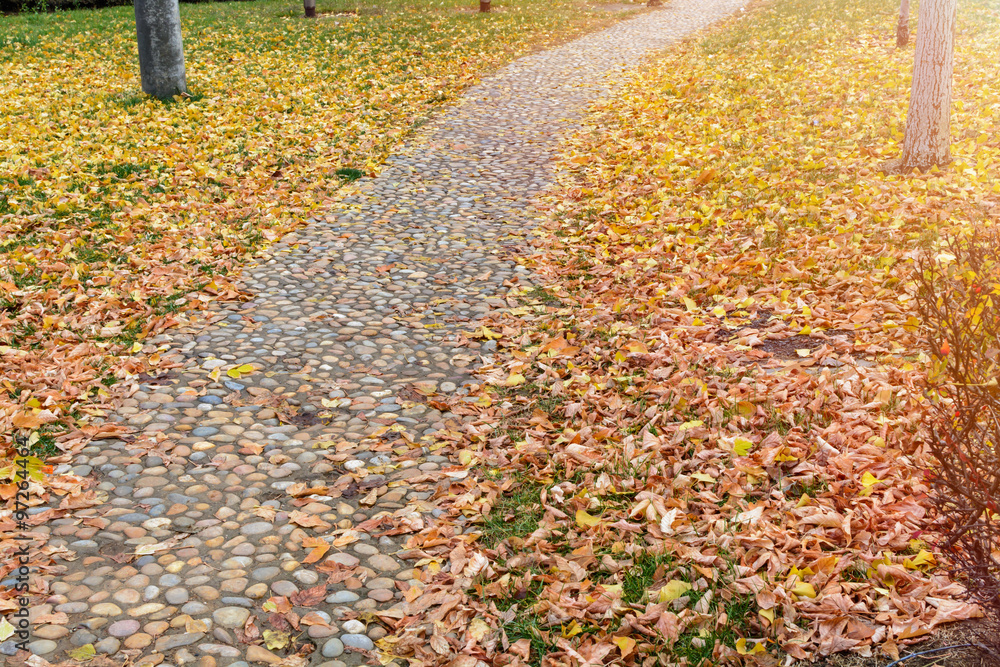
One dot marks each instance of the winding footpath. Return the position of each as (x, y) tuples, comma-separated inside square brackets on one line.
[(356, 323)]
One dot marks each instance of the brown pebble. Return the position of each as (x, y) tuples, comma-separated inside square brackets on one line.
[(138, 640)]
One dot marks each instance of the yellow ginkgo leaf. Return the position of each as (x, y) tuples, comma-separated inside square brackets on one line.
[(586, 520), (275, 639), (239, 371), (923, 560), (804, 589), (83, 654), (868, 480), (636, 347), (746, 408), (785, 455), (625, 644), (741, 647), (767, 614), (478, 629), (672, 590), (572, 629), (514, 380), (6, 629), (702, 477), (742, 446)]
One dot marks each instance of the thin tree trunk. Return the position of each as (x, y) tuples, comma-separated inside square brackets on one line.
[(927, 141), (310, 8), (161, 51), (903, 27), (484, 6)]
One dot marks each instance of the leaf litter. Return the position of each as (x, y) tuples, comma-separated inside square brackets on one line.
[(710, 406)]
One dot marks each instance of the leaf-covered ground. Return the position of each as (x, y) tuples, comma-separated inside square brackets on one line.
[(701, 439), (119, 213)]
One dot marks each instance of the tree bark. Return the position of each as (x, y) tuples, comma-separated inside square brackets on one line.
[(484, 6), (927, 141), (310, 8), (903, 27), (161, 51)]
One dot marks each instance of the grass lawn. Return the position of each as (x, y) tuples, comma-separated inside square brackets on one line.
[(118, 212), (723, 388)]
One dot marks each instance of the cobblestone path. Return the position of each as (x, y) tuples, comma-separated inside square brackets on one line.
[(356, 319)]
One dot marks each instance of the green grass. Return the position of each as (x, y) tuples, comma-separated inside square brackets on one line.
[(514, 515), (540, 295), (697, 646), (645, 571)]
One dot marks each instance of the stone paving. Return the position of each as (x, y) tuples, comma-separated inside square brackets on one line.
[(353, 329)]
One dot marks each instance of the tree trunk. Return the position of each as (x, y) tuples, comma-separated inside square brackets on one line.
[(903, 27), (927, 141), (484, 6), (310, 7), (161, 52)]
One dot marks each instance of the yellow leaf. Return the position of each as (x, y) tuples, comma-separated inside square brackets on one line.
[(804, 352), (586, 520), (572, 629), (924, 559), (488, 334), (741, 647), (719, 311), (612, 590), (514, 380), (6, 629), (465, 457), (690, 304), (636, 347), (673, 589), (239, 371), (746, 408), (136, 346), (478, 629), (702, 477), (869, 479), (625, 644), (83, 654), (768, 614), (687, 426), (804, 589), (214, 375), (274, 639), (742, 446)]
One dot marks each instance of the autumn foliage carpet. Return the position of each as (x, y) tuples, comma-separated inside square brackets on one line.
[(120, 214), (702, 439)]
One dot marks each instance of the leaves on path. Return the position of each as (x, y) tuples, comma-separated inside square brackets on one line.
[(120, 215)]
